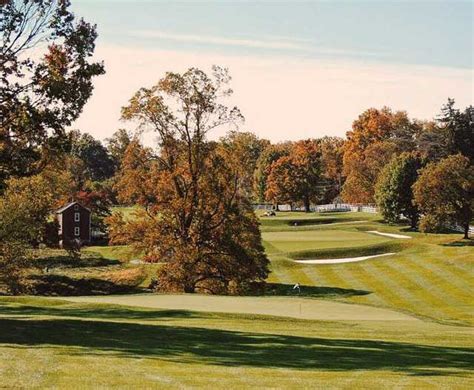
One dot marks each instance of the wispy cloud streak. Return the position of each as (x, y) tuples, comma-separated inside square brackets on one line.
[(279, 44)]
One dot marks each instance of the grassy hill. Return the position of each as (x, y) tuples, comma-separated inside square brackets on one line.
[(429, 276)]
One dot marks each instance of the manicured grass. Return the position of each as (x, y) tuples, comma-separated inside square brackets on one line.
[(315, 340), (297, 221), (286, 242), (48, 343), (430, 276)]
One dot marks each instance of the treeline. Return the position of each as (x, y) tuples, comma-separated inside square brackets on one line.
[(410, 168)]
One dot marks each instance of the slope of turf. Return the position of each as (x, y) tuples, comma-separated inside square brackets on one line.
[(52, 344), (430, 276)]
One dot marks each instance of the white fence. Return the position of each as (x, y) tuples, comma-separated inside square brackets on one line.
[(322, 208), (344, 207)]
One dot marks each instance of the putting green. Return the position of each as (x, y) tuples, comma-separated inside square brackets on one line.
[(309, 309), (317, 239)]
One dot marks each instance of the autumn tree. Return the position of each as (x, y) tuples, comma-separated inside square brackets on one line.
[(194, 216), (25, 208), (376, 135), (98, 198), (28, 202), (45, 79), (296, 177), (332, 153), (245, 149), (393, 191), (268, 156), (444, 193), (117, 144)]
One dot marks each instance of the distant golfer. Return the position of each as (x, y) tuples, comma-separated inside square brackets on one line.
[(297, 287)]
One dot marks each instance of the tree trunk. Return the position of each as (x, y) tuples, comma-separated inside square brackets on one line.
[(307, 204), (466, 231)]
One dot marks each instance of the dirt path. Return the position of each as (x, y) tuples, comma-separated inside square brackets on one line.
[(276, 306)]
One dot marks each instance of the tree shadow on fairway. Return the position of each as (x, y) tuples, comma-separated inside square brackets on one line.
[(460, 243), (63, 285), (98, 312), (227, 348), (64, 261), (282, 289)]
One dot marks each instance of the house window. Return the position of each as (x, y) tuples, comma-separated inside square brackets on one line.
[(76, 207), (77, 217), (77, 231)]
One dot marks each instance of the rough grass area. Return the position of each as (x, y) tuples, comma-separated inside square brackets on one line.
[(54, 272), (430, 276), (53, 344)]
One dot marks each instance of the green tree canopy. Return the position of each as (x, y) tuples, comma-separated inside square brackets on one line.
[(394, 193), (98, 164), (45, 79)]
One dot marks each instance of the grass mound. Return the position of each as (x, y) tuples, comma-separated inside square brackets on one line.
[(340, 253)]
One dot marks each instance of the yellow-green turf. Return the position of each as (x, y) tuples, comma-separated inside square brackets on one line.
[(431, 276), (424, 342), (56, 344)]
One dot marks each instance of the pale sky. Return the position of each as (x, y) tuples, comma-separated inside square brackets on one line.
[(299, 69)]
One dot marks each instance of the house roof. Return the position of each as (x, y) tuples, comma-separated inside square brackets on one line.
[(59, 211)]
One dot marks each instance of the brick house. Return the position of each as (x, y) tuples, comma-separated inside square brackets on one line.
[(74, 223)]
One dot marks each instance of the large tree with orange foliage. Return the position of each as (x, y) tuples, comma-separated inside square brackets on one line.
[(444, 193), (246, 148), (268, 156), (376, 136), (296, 178), (194, 218), (332, 152)]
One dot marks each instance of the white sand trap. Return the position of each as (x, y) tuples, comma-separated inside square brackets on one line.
[(388, 234), (339, 261)]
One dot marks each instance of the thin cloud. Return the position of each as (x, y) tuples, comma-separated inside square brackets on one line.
[(217, 40), (271, 43)]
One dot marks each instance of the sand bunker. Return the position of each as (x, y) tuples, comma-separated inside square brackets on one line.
[(388, 234), (339, 261)]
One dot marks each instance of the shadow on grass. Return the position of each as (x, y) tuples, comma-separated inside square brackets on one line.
[(312, 291), (104, 312), (54, 285), (232, 349), (460, 243), (64, 261)]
